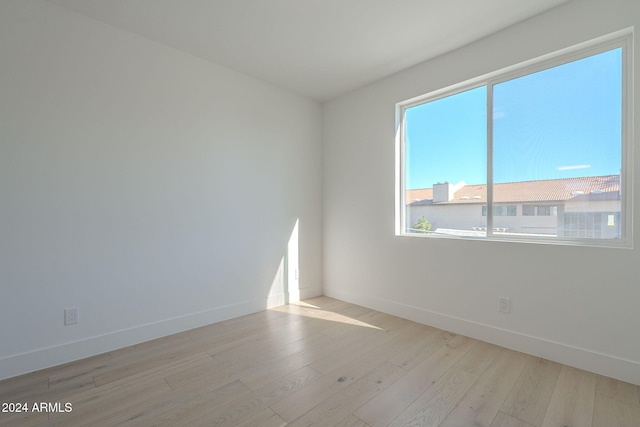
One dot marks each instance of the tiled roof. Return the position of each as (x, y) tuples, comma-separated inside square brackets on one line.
[(549, 190)]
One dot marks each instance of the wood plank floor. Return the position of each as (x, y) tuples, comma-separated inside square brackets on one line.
[(319, 362)]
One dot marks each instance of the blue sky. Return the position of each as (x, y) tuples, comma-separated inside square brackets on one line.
[(558, 123)]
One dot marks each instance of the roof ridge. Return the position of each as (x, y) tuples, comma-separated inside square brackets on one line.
[(559, 179), (529, 180)]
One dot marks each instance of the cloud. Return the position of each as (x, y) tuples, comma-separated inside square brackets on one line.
[(570, 168), (499, 114)]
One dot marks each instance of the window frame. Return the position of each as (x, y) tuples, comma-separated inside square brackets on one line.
[(622, 39)]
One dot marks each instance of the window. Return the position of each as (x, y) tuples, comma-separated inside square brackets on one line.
[(594, 225), (508, 210), (550, 137), (536, 210)]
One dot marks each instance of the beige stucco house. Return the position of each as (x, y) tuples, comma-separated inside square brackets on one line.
[(583, 207)]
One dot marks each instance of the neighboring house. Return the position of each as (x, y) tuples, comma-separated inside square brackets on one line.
[(587, 207)]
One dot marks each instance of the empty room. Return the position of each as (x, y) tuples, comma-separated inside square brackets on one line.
[(336, 213)]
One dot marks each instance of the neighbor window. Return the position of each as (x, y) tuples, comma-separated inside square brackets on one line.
[(536, 153), (536, 210), (509, 210)]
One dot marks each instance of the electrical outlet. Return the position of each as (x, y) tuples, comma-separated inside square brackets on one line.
[(504, 305), (71, 316)]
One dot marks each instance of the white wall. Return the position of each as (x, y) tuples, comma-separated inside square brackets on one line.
[(571, 304), (151, 189)]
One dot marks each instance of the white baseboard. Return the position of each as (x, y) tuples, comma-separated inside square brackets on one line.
[(604, 364), (31, 361)]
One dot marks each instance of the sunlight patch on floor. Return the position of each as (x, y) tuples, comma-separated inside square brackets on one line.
[(309, 310)]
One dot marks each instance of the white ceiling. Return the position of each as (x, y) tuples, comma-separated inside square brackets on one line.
[(318, 48)]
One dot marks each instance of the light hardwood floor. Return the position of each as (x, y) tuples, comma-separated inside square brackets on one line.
[(320, 362)]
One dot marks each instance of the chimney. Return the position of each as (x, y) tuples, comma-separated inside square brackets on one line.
[(445, 192), (442, 192)]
